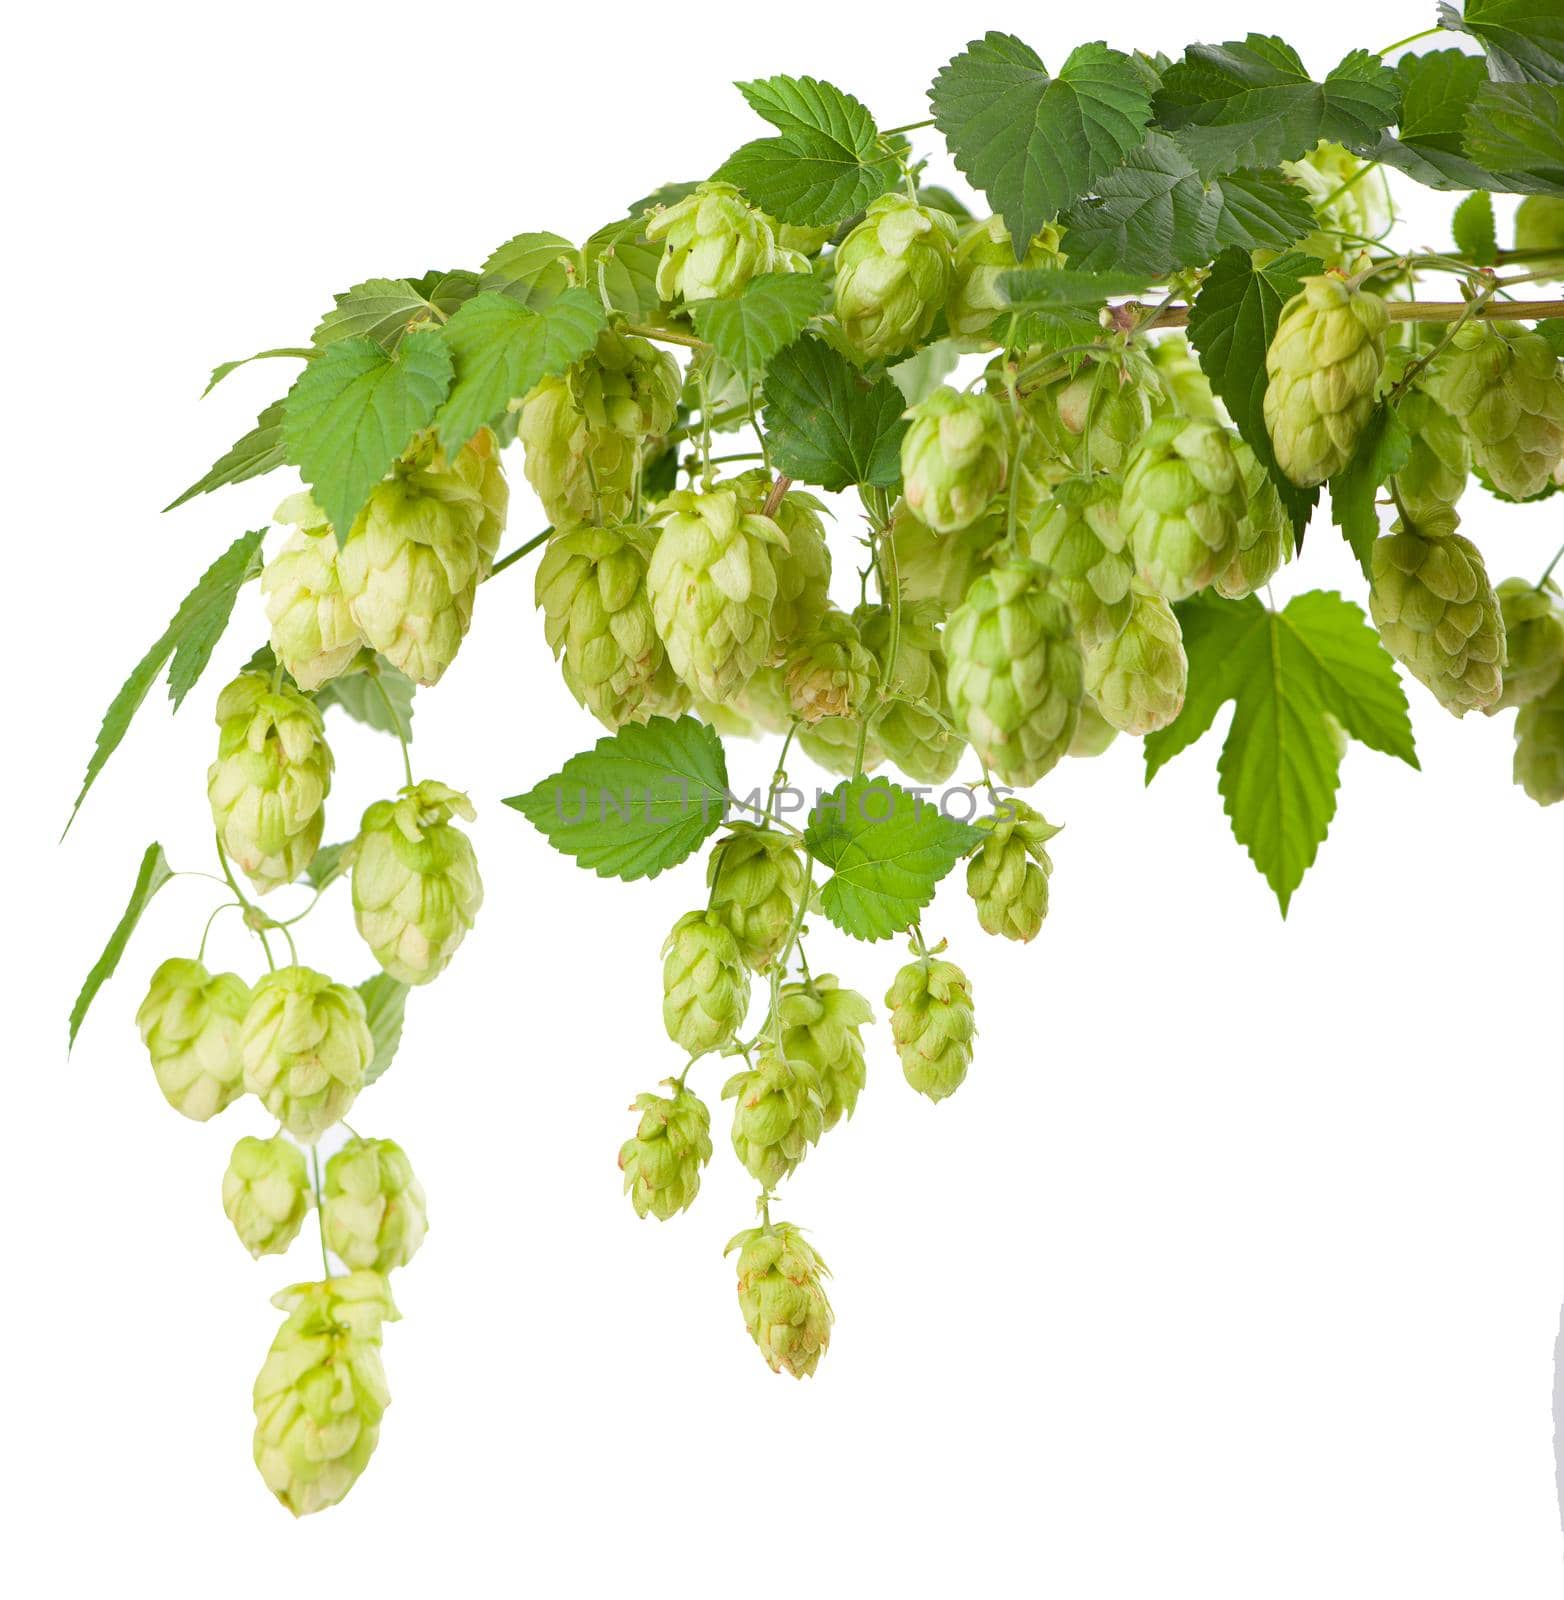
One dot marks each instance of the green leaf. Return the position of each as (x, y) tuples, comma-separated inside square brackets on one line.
[(1249, 103), (826, 424), (256, 453), (189, 638), (363, 696), (1524, 38), (768, 315), (326, 865), (383, 310), (153, 874), (887, 850), (1062, 288), (385, 1006), (1288, 673), (447, 292), (1035, 144), (500, 349), (808, 105), (1519, 128), (222, 371), (638, 802), (1382, 450), (354, 410), (1473, 230), (1231, 325), (922, 373), (624, 262), (532, 268), (807, 178)]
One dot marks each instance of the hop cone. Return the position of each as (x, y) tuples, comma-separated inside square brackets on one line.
[(756, 877), (777, 1115), (189, 1023), (1505, 387), (941, 567), (1323, 367), (313, 632), (1348, 200), (266, 1193), (1438, 615), (1185, 389), (1104, 409), (1265, 536), (1078, 538), (759, 707), (372, 1206), (662, 1161), (1093, 733), (712, 583), (305, 1046), (270, 780), (1539, 746), (705, 986), (820, 1022), (829, 672), (913, 729), (953, 458), (893, 273), (416, 887), (803, 568), (933, 1025), (1183, 505), (1439, 459), (1533, 638), (1014, 671), (321, 1393), (1539, 225), (782, 1297), (1007, 876), (833, 744), (983, 252), (714, 242), (1137, 680)]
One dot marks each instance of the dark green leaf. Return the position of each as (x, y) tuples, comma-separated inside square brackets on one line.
[(808, 105), (1473, 230), (364, 696), (1382, 451), (256, 453), (153, 874), (806, 178), (829, 426), (385, 1006), (766, 316), (1519, 128), (1524, 38), (447, 291)]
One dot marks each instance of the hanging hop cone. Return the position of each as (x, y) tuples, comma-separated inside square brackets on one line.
[(782, 1297), (372, 1207), (322, 1391), (1014, 671), (1534, 640), (1439, 459), (416, 888), (941, 567), (1539, 746), (756, 877), (189, 1023), (777, 1115), (933, 1024), (1093, 733), (829, 672), (1185, 390), (705, 986), (1104, 409), (270, 780), (1505, 386), (1007, 875), (1183, 505), (1079, 539), (953, 458), (305, 1045), (266, 1193), (1349, 198), (1137, 681), (914, 728), (662, 1161), (1265, 536), (1437, 613), (714, 242), (983, 252), (893, 273), (803, 567), (313, 633), (1323, 368), (820, 1027)]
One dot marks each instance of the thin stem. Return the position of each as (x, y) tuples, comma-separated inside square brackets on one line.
[(520, 551), (779, 775), (863, 744), (778, 488), (666, 336), (1558, 555), (401, 737), (1426, 311), (688, 430), (320, 1214), (239, 895), (234, 904), (1411, 38), (906, 127)]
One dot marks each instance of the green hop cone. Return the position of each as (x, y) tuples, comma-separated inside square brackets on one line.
[(782, 1297), (1093, 733), (893, 273), (941, 567), (1137, 680), (829, 673), (269, 783), (712, 582), (1323, 368), (777, 1115), (983, 252), (322, 1391), (833, 744), (705, 986), (933, 1024), (714, 242), (313, 633), (1265, 536), (1014, 671), (1008, 873), (305, 1045), (1439, 459), (1533, 637), (1185, 389), (372, 1207), (820, 1027), (953, 458), (1104, 409), (1437, 613), (190, 1024), (1184, 504), (266, 1193), (756, 877), (1539, 746), (913, 729), (1505, 386), (416, 888), (662, 1161), (758, 708), (1078, 538), (1350, 199), (803, 568), (1539, 225)]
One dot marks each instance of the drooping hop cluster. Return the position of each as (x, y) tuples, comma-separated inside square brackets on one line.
[(1184, 504), (821, 1023), (266, 1193), (777, 1115), (662, 1161), (893, 274), (953, 458), (305, 1046), (713, 243), (782, 1298), (1137, 680), (933, 1024), (756, 877), (1007, 876), (705, 985), (372, 1207), (190, 1023)]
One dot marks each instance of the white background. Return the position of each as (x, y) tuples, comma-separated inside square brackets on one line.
[(1234, 1269)]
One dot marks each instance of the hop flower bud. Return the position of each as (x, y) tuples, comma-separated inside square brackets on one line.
[(803, 567), (1137, 680), (756, 878), (953, 458), (1324, 366), (776, 1117), (829, 672), (1185, 390), (714, 242), (705, 986), (313, 632), (1008, 873), (270, 780), (1439, 458), (941, 567), (266, 1193), (416, 887), (912, 729), (189, 1023), (305, 1045), (1437, 613), (1093, 733), (372, 1207), (820, 1022), (782, 1298), (1533, 638), (662, 1162), (983, 252), (1078, 538), (1539, 746), (322, 1391), (1014, 671), (1183, 505), (933, 1025), (893, 273), (1350, 199), (1265, 536)]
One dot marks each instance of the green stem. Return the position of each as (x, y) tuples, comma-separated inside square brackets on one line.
[(779, 776), (234, 904), (666, 336), (889, 133), (401, 737), (1411, 38), (688, 430), (1558, 555), (320, 1213), (239, 895), (520, 551)]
